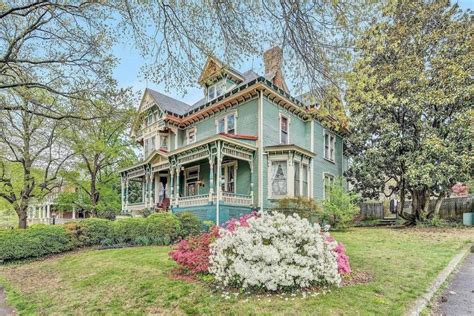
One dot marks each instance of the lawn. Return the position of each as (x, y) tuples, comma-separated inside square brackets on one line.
[(401, 262)]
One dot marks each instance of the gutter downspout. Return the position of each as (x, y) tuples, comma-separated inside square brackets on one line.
[(312, 159), (260, 149), (218, 178)]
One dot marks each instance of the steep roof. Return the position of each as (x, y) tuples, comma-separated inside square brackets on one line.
[(168, 103)]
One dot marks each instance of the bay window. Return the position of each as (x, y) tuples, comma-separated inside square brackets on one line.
[(279, 185), (297, 178)]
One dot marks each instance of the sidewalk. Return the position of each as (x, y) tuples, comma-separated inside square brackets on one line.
[(4, 308), (458, 297)]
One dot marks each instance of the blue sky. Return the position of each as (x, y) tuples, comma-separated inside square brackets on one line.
[(127, 72)]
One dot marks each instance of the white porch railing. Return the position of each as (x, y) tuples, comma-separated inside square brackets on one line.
[(226, 198), (135, 206), (236, 199), (194, 200)]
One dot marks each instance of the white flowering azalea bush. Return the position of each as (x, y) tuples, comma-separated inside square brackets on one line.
[(274, 252)]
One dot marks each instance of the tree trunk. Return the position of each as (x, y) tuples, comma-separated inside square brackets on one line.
[(93, 195), (402, 199), (22, 216), (418, 202), (439, 202)]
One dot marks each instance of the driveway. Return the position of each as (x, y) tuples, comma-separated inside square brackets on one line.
[(458, 298)]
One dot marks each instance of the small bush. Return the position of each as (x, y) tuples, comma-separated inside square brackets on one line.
[(164, 228), (36, 241), (340, 207), (305, 208), (192, 254), (91, 231), (190, 224), (129, 230)]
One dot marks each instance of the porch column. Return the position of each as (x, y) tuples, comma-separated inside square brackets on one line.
[(251, 181), (144, 189), (211, 177), (177, 185), (171, 185), (126, 192), (48, 212), (73, 212), (122, 192)]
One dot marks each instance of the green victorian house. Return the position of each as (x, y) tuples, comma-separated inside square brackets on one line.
[(246, 144)]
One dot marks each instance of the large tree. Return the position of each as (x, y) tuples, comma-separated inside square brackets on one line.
[(32, 155), (410, 97), (101, 146)]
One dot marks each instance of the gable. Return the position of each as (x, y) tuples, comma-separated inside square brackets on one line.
[(214, 69)]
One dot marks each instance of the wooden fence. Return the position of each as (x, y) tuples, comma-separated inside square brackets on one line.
[(450, 208)]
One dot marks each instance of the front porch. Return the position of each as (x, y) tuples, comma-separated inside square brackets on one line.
[(213, 179)]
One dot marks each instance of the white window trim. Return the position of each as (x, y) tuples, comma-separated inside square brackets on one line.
[(269, 176), (324, 184), (225, 166), (308, 177), (167, 141), (187, 135), (333, 158), (280, 116), (224, 116), (186, 176), (214, 86)]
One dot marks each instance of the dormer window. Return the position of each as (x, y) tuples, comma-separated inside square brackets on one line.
[(216, 90)]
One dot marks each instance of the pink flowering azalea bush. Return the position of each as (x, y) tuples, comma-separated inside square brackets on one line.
[(343, 265), (265, 251), (192, 254), (234, 223)]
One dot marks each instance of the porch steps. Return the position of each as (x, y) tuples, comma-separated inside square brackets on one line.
[(387, 221)]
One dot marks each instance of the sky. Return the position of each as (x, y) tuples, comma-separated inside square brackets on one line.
[(127, 73)]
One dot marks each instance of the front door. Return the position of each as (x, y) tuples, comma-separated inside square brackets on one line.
[(229, 175)]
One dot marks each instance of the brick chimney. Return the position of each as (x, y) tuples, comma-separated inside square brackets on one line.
[(273, 61)]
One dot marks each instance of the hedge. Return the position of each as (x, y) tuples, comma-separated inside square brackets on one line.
[(36, 241), (41, 240)]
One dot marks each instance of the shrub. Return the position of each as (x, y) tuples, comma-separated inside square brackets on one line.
[(90, 231), (274, 252), (305, 208), (36, 241), (234, 223), (340, 207), (343, 265), (165, 228), (129, 230), (190, 224), (192, 254)]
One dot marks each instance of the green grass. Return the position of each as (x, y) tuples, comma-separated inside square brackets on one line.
[(137, 280)]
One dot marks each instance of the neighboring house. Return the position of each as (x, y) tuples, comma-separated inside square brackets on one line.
[(46, 211), (245, 145)]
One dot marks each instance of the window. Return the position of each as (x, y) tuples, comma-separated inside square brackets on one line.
[(297, 178), (191, 182), (149, 145), (191, 135), (301, 179), (329, 147), (328, 180), (228, 173), (283, 130), (305, 180), (227, 124), (216, 90), (279, 178), (164, 141)]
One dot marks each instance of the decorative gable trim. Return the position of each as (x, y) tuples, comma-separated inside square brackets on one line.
[(214, 69)]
